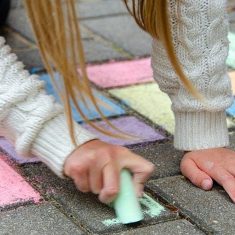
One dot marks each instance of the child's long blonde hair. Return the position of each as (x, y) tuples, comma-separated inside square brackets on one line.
[(55, 25)]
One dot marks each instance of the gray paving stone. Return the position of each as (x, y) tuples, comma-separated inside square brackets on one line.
[(123, 31), (37, 220), (100, 8), (232, 139), (31, 58), (97, 51), (212, 210), (19, 21), (16, 3), (26, 51), (84, 208), (165, 157), (178, 227)]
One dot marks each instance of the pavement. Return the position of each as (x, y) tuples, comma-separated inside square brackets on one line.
[(35, 201)]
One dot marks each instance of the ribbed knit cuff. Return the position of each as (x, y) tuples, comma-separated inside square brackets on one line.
[(53, 144), (200, 130)]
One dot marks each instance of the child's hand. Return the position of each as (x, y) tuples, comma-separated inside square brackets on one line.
[(201, 166), (95, 167)]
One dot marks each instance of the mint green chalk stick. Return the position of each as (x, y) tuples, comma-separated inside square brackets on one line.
[(126, 204)]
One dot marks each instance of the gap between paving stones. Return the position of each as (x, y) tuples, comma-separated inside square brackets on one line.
[(101, 16), (174, 207), (106, 41), (69, 216), (91, 211), (112, 44), (44, 197), (217, 222)]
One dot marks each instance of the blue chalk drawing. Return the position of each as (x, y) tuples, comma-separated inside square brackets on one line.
[(111, 110), (231, 110)]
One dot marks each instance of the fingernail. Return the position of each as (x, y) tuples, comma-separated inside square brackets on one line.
[(206, 184)]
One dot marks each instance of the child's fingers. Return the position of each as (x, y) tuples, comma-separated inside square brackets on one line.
[(111, 183), (225, 179), (139, 180), (141, 169), (82, 182), (96, 175), (190, 170)]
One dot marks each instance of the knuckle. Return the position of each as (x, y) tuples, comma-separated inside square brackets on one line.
[(112, 192), (77, 169), (150, 167), (92, 158), (105, 156)]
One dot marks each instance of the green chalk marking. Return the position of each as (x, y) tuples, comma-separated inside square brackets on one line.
[(111, 222), (154, 209), (231, 54), (150, 208)]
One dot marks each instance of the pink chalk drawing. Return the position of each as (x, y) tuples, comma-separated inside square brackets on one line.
[(116, 74), (13, 188)]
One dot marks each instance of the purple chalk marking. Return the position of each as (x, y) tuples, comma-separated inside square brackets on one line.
[(13, 188), (9, 149), (124, 73), (129, 125)]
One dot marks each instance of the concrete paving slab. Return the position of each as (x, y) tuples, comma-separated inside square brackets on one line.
[(133, 40), (37, 220), (165, 157), (232, 139), (148, 100), (24, 49), (100, 51), (16, 3), (100, 8), (18, 20), (111, 110), (130, 125), (178, 227), (211, 210), (121, 73), (8, 148), (31, 59), (14, 190), (86, 208)]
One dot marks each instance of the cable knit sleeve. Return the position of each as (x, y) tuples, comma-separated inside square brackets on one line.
[(199, 29), (31, 119)]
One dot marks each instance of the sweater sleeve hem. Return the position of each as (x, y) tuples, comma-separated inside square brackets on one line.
[(200, 130), (53, 144)]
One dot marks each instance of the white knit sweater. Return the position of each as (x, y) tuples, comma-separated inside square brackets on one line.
[(200, 29), (35, 123), (30, 119)]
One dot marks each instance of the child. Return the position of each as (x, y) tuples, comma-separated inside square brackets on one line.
[(193, 31)]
